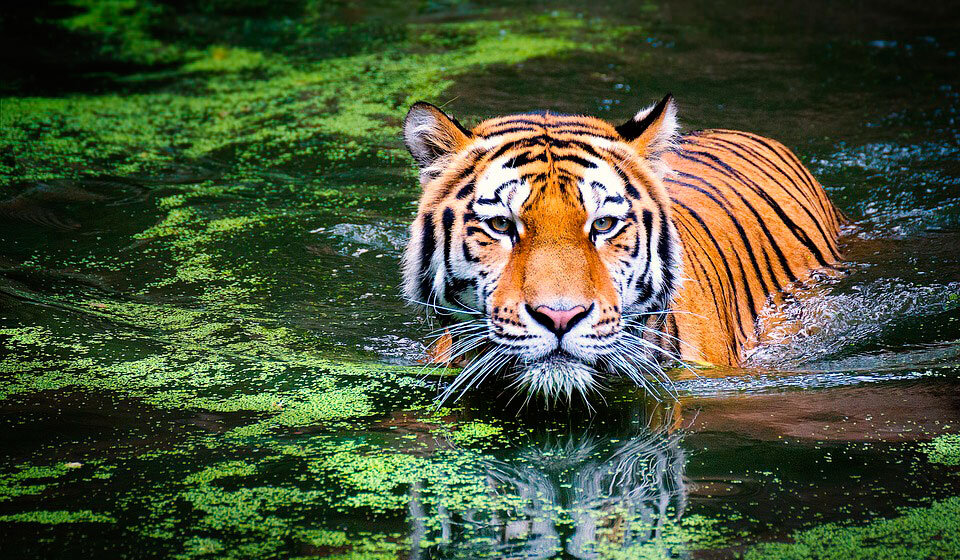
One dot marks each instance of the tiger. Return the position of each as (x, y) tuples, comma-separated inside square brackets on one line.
[(560, 251)]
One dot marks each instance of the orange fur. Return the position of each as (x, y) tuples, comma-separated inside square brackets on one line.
[(718, 315)]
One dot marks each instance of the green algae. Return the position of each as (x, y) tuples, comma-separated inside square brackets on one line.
[(925, 532), (124, 28), (334, 109), (944, 450), (28, 480), (675, 538), (197, 357), (57, 517), (340, 545), (472, 432)]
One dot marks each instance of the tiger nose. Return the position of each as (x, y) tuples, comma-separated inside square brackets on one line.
[(558, 321)]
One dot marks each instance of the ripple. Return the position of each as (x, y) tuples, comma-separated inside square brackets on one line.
[(357, 239), (856, 329)]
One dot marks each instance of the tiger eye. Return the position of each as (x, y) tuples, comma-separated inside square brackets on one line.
[(603, 225), (500, 224)]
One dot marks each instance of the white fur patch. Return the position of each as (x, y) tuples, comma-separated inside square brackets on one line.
[(664, 140), (557, 376)]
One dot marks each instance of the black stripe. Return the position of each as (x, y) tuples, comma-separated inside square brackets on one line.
[(510, 130), (755, 153), (505, 121), (474, 230), (720, 254), (728, 146), (631, 190), (584, 146), (648, 230), (664, 244), (583, 131), (576, 159), (506, 148), (720, 299), (447, 222), (781, 258), (742, 233), (465, 172), (752, 303), (466, 190), (681, 222), (469, 256), (797, 166), (524, 158), (427, 248), (496, 199), (724, 169)]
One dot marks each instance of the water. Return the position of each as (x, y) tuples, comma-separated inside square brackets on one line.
[(204, 351)]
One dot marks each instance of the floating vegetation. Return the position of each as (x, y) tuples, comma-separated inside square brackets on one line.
[(927, 532), (944, 449)]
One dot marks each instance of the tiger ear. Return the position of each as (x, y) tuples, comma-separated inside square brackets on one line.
[(653, 131), (430, 135)]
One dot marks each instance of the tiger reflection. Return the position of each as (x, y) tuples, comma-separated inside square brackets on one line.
[(581, 496)]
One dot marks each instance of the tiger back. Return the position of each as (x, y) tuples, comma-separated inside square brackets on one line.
[(752, 221)]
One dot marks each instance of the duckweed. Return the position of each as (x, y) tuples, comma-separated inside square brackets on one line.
[(56, 517), (944, 449), (926, 532)]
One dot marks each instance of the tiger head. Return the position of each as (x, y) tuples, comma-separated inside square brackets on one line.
[(548, 239)]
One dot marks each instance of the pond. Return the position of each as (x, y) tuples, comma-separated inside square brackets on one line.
[(203, 348)]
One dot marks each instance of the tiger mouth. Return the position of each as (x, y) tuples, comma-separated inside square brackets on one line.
[(559, 373), (558, 354)]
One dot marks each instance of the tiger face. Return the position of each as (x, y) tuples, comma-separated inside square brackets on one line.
[(545, 243)]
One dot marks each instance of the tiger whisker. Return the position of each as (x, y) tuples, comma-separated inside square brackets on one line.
[(675, 357), (464, 326), (621, 366), (465, 310), (640, 361), (629, 323), (638, 343), (474, 343), (467, 377)]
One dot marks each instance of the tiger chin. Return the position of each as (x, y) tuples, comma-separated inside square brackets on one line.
[(561, 251)]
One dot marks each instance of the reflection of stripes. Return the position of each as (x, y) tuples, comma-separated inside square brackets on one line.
[(617, 498)]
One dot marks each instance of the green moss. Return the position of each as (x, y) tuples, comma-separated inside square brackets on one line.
[(919, 533)]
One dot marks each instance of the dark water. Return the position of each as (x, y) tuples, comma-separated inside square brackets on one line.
[(204, 353)]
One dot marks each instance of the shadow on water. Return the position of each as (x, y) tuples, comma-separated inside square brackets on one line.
[(203, 351)]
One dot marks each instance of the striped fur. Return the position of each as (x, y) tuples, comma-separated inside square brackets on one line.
[(510, 245)]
